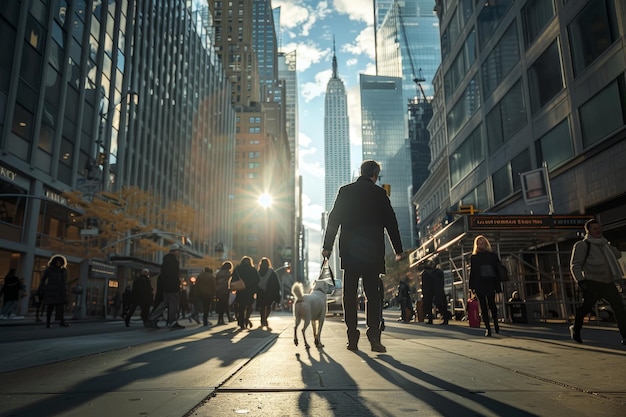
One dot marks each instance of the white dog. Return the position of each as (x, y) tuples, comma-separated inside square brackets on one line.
[(311, 308)]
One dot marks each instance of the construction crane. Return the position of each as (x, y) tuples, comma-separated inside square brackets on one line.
[(418, 77)]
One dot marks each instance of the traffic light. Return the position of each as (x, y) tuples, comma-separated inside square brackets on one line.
[(387, 188), (101, 158), (467, 209)]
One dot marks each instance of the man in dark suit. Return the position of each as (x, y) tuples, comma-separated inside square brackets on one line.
[(363, 211)]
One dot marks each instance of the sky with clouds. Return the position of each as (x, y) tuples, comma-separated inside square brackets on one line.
[(308, 27)]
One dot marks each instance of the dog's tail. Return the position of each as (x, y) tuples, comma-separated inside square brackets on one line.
[(298, 291)]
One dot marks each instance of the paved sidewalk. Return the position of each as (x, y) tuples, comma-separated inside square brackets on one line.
[(527, 370)]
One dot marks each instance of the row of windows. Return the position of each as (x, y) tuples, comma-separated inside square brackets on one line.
[(600, 116)]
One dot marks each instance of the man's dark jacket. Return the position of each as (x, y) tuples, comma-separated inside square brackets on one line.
[(170, 274), (363, 211)]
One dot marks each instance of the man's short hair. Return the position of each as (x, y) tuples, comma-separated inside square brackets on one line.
[(370, 168), (589, 222)]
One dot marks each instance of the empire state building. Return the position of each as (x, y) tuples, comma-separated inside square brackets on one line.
[(336, 137)]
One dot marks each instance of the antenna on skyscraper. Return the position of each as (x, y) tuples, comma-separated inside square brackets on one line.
[(334, 59)]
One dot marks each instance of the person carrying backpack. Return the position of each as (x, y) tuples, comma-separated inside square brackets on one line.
[(595, 268)]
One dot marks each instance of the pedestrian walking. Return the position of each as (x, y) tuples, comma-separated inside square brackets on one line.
[(404, 300), (222, 292), (205, 289), (140, 296), (245, 272), (364, 212), (168, 290), (433, 293), (54, 288), (11, 292), (269, 290), (485, 280), (126, 300), (595, 268)]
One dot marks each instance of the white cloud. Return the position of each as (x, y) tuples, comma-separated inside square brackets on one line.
[(307, 54), (299, 17), (356, 10), (315, 168), (351, 62), (311, 213), (363, 43), (312, 90), (304, 140)]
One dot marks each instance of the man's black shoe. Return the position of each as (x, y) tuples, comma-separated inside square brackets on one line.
[(176, 326)]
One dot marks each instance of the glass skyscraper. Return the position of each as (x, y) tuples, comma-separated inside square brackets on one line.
[(408, 45), (384, 132)]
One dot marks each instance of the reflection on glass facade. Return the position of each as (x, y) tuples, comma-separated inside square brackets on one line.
[(409, 32), (384, 132)]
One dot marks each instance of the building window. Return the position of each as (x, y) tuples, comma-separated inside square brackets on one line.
[(506, 180), (467, 156), (545, 77), (536, 14), (489, 19), (464, 108), (501, 60), (254, 130), (253, 155), (506, 118), (592, 32), (555, 147), (477, 197), (603, 113)]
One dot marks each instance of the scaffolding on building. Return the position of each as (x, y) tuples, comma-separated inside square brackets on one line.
[(535, 249)]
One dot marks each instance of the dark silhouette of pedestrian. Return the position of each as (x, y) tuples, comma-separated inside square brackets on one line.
[(404, 300), (485, 280), (205, 289), (170, 281), (140, 296), (433, 293), (11, 291), (364, 212), (269, 290), (245, 297), (54, 287), (222, 292)]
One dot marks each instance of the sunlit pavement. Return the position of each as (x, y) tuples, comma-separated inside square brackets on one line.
[(429, 370)]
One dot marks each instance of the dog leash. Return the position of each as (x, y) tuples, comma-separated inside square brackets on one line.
[(325, 264)]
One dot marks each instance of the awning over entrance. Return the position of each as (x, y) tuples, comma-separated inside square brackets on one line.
[(507, 234)]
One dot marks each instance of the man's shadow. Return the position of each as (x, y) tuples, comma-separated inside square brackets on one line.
[(442, 404)]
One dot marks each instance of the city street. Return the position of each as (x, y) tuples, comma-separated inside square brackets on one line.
[(104, 369)]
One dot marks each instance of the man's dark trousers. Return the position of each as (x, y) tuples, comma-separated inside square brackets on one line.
[(350, 301)]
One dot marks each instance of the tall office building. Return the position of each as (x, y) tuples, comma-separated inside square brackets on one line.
[(336, 144), (527, 83), (288, 75), (384, 132), (408, 45), (245, 41), (94, 97), (336, 137)]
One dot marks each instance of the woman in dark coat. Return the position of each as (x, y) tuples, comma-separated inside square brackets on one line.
[(54, 286), (484, 280), (222, 292), (245, 298), (269, 290)]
